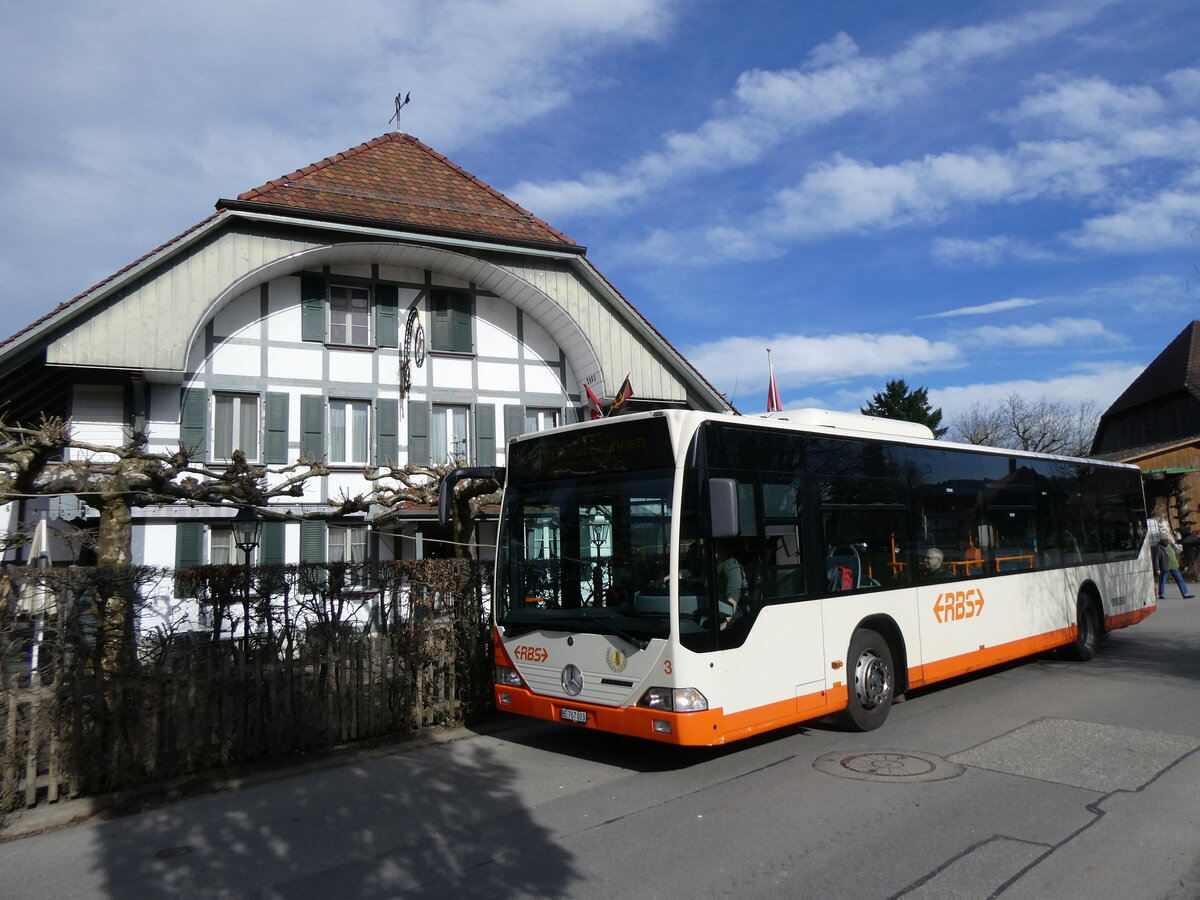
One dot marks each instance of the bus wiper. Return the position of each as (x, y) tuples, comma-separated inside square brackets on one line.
[(640, 643)]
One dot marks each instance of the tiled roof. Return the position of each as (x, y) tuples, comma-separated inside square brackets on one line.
[(397, 180)]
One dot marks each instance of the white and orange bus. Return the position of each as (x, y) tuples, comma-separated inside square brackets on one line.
[(696, 578)]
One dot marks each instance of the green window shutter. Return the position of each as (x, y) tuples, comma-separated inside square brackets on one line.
[(271, 545), (439, 320), (313, 308), (275, 444), (387, 315), (312, 542), (193, 419), (418, 432), (189, 548), (450, 321), (572, 415), (460, 324), (514, 422), (312, 426), (387, 432), (485, 435)]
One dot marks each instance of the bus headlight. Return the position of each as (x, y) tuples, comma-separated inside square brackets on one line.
[(674, 699), (508, 677)]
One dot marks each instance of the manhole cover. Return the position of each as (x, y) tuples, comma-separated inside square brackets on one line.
[(887, 765)]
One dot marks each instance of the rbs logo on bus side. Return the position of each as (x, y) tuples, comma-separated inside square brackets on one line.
[(955, 605), (531, 654)]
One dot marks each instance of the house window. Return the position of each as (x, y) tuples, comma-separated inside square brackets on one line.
[(540, 419), (448, 438), (349, 421), (223, 550), (235, 425), (347, 543), (349, 315), (450, 312)]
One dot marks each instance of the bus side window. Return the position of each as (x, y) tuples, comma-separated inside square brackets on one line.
[(783, 572)]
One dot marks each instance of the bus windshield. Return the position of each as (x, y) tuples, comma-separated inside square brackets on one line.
[(587, 554), (585, 534)]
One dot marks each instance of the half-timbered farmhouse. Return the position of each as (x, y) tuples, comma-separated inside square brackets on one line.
[(379, 305)]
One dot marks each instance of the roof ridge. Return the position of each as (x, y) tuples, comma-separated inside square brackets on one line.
[(318, 165), (298, 180), (442, 158)]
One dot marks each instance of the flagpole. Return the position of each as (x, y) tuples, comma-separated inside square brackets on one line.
[(774, 403)]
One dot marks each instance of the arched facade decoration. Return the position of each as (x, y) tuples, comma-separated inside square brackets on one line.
[(564, 329)]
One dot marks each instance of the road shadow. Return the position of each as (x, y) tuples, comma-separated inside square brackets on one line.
[(439, 821)]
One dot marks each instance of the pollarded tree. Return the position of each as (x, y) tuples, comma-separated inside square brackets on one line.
[(45, 459), (1042, 425), (896, 401)]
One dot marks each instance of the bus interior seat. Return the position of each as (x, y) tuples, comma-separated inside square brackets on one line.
[(841, 562)]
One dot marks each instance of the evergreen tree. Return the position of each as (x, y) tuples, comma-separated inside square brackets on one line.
[(896, 401)]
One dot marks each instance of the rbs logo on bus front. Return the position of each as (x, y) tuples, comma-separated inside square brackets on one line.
[(531, 654), (953, 606)]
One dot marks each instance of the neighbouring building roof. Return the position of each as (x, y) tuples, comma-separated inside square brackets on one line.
[(1176, 368), (1160, 406), (397, 180)]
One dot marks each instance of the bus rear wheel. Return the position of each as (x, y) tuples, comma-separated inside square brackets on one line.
[(871, 680), (1087, 636)]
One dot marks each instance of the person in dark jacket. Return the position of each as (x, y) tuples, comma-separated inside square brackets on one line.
[(1166, 562)]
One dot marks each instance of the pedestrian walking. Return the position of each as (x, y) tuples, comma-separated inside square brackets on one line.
[(1166, 563)]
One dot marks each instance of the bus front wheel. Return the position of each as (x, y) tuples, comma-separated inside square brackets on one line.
[(871, 680), (1087, 637)]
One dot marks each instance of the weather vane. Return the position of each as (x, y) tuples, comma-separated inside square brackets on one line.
[(400, 104)]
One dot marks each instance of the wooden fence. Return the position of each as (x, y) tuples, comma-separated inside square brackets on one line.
[(78, 723)]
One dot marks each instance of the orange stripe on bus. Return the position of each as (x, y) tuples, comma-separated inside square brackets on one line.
[(985, 657), (714, 726), (1129, 618)]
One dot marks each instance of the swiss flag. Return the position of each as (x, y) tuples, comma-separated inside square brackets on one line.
[(774, 404), (593, 404)]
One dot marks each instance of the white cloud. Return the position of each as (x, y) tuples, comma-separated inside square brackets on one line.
[(1106, 133), (986, 252), (1054, 333), (1185, 83), (1090, 106), (1167, 220), (1102, 384), (159, 109), (768, 107), (738, 365), (984, 308)]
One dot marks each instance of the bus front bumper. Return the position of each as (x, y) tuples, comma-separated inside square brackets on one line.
[(695, 729)]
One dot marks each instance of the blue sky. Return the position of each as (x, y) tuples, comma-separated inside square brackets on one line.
[(980, 198)]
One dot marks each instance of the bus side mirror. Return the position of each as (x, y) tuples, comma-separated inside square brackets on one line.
[(723, 507)]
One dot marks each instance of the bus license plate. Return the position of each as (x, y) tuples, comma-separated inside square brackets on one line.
[(578, 716)]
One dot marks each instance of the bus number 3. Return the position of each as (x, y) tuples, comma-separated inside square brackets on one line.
[(955, 605)]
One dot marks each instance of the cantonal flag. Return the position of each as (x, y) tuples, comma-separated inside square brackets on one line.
[(623, 394)]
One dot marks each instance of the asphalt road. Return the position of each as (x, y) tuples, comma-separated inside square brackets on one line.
[(1044, 779)]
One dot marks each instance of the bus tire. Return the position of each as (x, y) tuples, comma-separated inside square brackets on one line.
[(871, 681), (1087, 635)]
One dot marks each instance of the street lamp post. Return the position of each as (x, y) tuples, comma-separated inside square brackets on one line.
[(247, 529), (599, 538)]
